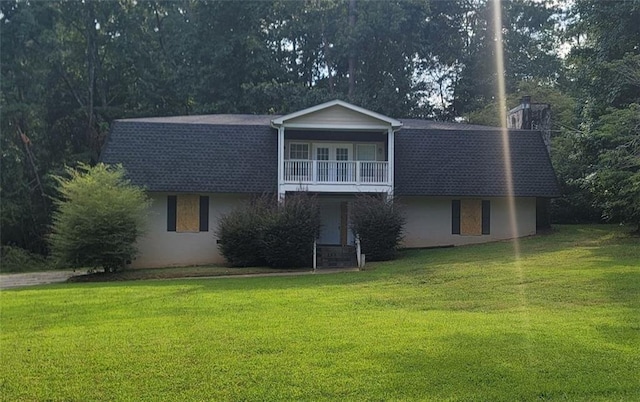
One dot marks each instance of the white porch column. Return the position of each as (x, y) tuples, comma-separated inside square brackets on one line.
[(391, 158), (281, 163)]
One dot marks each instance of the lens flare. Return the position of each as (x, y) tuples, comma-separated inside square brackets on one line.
[(502, 107), (506, 152)]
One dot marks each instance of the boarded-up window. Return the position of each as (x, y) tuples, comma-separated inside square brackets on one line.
[(470, 217), (187, 213)]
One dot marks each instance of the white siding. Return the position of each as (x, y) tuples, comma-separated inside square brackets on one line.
[(160, 248), (429, 221), (337, 115)]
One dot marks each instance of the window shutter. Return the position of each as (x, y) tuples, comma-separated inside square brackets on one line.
[(171, 213), (486, 217), (204, 213), (455, 216)]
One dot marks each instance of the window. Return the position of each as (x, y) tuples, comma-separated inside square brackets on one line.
[(342, 154), (322, 172), (366, 152), (298, 151), (322, 154), (187, 213), (470, 217)]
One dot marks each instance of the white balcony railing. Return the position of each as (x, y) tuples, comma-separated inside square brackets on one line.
[(336, 172)]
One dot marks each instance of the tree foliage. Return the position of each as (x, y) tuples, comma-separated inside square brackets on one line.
[(604, 71), (70, 68), (99, 216), (615, 181)]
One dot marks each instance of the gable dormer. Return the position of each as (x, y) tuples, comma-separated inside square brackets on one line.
[(335, 147), (336, 115)]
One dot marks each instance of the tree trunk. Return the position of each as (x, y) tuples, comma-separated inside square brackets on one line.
[(329, 64), (92, 60), (352, 50)]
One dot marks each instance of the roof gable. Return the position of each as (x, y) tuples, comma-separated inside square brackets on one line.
[(336, 114)]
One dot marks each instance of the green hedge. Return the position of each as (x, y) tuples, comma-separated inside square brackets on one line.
[(240, 233), (379, 223), (266, 232)]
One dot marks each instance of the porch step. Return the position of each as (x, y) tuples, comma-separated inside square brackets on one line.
[(336, 256)]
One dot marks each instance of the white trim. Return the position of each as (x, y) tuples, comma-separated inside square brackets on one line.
[(337, 188), (332, 146), (391, 158), (280, 162), (280, 121), (336, 127), (309, 150)]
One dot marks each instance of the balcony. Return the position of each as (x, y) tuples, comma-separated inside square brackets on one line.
[(336, 173)]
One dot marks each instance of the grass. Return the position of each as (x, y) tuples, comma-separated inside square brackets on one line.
[(177, 272), (458, 324)]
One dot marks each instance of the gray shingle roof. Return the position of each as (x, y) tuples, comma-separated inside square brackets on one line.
[(470, 163), (442, 125), (218, 153), (190, 157)]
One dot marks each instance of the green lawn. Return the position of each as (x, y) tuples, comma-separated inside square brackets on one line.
[(467, 323)]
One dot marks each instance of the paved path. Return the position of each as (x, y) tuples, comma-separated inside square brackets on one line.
[(8, 281)]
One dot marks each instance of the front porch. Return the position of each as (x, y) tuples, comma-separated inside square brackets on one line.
[(335, 147)]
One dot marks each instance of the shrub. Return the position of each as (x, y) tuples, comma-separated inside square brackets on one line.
[(266, 233), (16, 259), (379, 223), (240, 233), (99, 216), (289, 232)]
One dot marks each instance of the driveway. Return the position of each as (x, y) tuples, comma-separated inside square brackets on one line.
[(8, 281)]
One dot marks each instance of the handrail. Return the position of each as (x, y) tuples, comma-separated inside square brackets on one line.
[(315, 255), (359, 253), (341, 172)]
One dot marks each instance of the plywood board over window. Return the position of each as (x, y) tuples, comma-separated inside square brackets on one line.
[(471, 217), (188, 213)]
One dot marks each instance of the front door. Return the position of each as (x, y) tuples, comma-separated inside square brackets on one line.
[(330, 217), (334, 216), (332, 162)]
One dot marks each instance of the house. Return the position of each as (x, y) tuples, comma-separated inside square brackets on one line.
[(450, 178)]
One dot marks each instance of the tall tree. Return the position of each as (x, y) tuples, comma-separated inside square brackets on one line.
[(529, 28), (604, 66)]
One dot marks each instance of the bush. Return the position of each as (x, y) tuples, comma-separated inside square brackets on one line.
[(289, 232), (240, 233), (16, 259), (99, 217), (379, 225), (266, 233)]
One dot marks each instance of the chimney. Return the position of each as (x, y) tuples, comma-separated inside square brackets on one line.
[(531, 116)]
